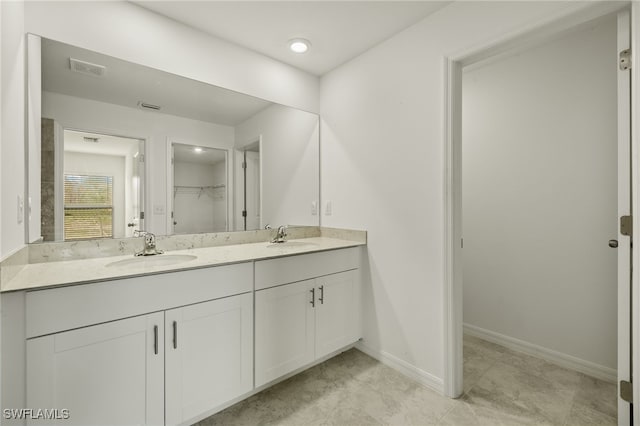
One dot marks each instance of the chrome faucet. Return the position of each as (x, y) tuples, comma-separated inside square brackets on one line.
[(149, 243), (281, 234)]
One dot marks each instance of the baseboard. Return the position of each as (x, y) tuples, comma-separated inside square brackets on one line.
[(563, 360), (409, 370)]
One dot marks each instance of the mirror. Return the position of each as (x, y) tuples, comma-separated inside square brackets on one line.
[(101, 188), (199, 177), (115, 146)]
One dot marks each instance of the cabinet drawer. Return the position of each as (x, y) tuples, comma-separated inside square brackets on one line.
[(283, 270), (65, 308)]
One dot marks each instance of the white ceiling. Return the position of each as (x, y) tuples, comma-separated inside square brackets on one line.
[(126, 84), (106, 145), (338, 30), (186, 154)]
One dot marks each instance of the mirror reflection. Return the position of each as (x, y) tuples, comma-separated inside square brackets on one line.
[(199, 189), (120, 147), (101, 181)]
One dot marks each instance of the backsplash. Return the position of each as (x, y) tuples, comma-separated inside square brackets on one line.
[(10, 267), (53, 252)]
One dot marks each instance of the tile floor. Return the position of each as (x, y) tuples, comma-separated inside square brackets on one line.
[(502, 387)]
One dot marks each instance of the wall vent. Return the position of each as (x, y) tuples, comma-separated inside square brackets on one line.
[(90, 139), (149, 106), (87, 68)]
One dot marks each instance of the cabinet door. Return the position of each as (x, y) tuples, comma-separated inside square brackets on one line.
[(336, 312), (107, 374), (209, 355), (285, 321)]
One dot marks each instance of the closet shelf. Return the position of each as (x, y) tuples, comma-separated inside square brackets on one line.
[(199, 190)]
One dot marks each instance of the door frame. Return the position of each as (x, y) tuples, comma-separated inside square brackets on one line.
[(537, 33), (238, 151), (169, 174), (145, 200)]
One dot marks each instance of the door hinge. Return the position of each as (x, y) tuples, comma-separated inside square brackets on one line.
[(625, 60), (141, 215), (626, 391), (244, 213), (141, 158), (626, 225), (244, 164)]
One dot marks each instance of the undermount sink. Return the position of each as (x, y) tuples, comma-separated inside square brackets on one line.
[(292, 244), (152, 261)]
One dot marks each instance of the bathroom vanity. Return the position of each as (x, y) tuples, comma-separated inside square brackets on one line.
[(179, 342), (173, 338)]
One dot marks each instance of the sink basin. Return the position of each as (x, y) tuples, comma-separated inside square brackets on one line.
[(292, 244), (152, 261)]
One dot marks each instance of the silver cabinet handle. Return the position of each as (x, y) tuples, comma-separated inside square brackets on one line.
[(175, 335), (313, 297), (321, 295), (155, 339)]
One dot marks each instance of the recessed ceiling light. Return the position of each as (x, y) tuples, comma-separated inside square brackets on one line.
[(299, 45), (197, 149)]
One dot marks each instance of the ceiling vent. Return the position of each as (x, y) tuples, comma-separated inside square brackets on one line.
[(90, 139), (146, 105), (87, 68)]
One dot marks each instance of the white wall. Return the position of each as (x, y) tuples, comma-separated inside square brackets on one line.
[(382, 167), (12, 151), (129, 32), (103, 165), (289, 155), (156, 128), (540, 195)]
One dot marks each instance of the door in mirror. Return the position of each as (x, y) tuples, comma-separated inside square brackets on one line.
[(96, 189), (199, 195)]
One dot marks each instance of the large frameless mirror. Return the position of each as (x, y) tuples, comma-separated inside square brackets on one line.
[(115, 146)]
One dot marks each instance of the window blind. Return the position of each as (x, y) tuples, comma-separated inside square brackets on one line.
[(88, 206)]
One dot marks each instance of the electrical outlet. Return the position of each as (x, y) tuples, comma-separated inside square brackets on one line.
[(314, 208), (20, 209), (158, 209), (328, 209)]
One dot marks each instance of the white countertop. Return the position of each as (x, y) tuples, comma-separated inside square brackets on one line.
[(49, 274)]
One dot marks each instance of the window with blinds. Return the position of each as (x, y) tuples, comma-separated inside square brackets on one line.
[(88, 206)]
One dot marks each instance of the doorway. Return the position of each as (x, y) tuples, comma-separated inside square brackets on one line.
[(248, 212), (199, 190), (101, 181), (557, 217)]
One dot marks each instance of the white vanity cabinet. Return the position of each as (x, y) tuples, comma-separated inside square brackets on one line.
[(302, 321), (108, 373), (285, 330), (175, 347), (208, 355), (337, 312), (165, 367)]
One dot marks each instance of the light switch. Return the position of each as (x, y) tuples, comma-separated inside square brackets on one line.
[(158, 209), (328, 209), (314, 208)]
